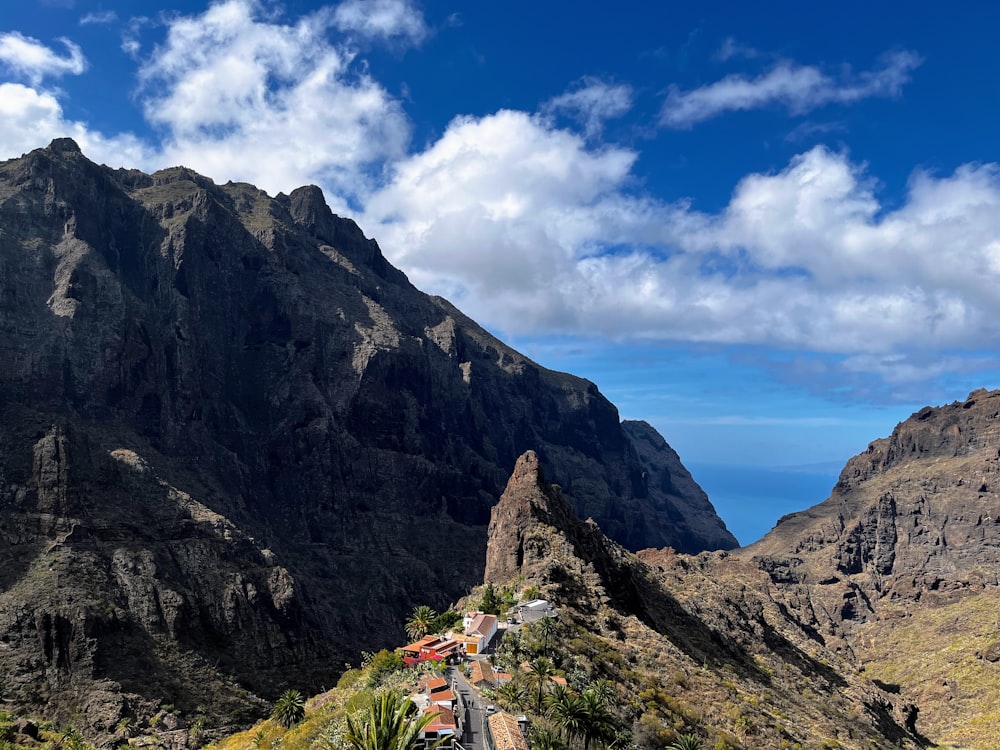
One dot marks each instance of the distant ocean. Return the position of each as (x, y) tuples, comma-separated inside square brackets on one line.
[(751, 499)]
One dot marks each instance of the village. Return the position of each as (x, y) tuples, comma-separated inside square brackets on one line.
[(463, 719)]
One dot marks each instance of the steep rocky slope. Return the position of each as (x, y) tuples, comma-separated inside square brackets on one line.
[(695, 644), (236, 445), (899, 568)]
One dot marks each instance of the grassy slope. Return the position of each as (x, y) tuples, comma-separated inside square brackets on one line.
[(935, 656)]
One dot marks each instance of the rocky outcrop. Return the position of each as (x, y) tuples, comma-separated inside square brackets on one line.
[(913, 518), (735, 656), (908, 543), (251, 443)]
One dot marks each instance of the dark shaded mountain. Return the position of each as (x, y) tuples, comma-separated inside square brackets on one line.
[(237, 445), (899, 570), (694, 644)]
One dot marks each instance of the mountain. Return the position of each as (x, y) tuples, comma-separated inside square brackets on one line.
[(237, 445), (693, 644), (898, 569)]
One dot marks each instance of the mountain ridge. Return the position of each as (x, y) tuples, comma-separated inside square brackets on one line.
[(258, 443)]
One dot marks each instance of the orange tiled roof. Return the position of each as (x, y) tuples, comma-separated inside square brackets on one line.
[(480, 673), (427, 640), (444, 718), (483, 624), (506, 733), (436, 683)]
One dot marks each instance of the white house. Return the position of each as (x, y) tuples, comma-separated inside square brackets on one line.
[(481, 628)]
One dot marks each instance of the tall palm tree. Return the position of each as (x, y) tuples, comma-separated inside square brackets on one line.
[(289, 709), (598, 723), (547, 628), (420, 621), (389, 723), (566, 709), (541, 669)]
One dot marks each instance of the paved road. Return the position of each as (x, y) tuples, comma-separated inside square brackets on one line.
[(475, 711)]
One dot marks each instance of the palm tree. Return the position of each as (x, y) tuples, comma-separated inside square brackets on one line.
[(512, 695), (605, 690), (686, 742), (387, 724), (598, 723), (567, 711), (420, 621), (541, 669), (289, 709), (545, 739), (547, 628)]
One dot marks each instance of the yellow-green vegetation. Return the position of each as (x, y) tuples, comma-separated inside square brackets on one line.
[(324, 725), (946, 659)]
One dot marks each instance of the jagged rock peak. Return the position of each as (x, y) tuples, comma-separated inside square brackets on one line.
[(528, 500), (64, 146)]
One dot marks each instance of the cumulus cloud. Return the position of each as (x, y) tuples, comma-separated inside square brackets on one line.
[(240, 97), (31, 118), (592, 103), (534, 232), (797, 88), (30, 58), (393, 20), (536, 229)]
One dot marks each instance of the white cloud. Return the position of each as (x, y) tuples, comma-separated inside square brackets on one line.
[(30, 119), (270, 103), (99, 18), (592, 103), (499, 210), (534, 229), (798, 88), (396, 20), (533, 232), (32, 59), (730, 49)]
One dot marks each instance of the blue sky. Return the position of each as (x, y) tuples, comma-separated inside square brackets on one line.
[(771, 230)]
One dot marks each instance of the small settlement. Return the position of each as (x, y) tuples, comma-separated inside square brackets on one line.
[(443, 700)]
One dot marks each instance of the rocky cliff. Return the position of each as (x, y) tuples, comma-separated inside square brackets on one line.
[(899, 568), (236, 445), (695, 644)]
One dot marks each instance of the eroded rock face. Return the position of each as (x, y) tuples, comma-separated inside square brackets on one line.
[(250, 442), (709, 621), (909, 541), (913, 518)]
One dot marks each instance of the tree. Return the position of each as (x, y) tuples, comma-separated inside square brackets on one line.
[(389, 723), (547, 628), (567, 711), (545, 739), (490, 603), (420, 621), (541, 669), (598, 723), (381, 665), (605, 690), (512, 695), (686, 742), (289, 709)]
